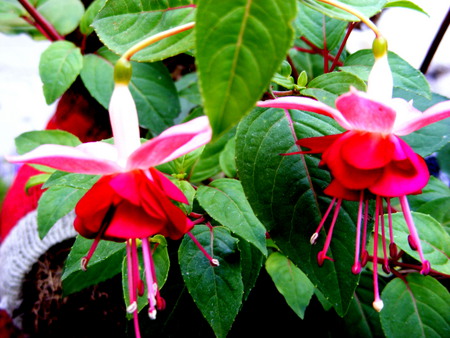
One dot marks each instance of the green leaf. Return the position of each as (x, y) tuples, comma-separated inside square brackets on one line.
[(443, 158), (29, 140), (161, 261), (59, 66), (404, 4), (123, 23), (285, 193), (65, 179), (89, 16), (217, 291), (291, 282), (415, 307), (151, 86), (225, 201), (227, 159), (188, 191), (435, 189), (405, 76), (328, 87), (104, 264), (366, 7), (55, 203), (435, 241), (239, 46), (251, 262), (64, 16), (310, 24)]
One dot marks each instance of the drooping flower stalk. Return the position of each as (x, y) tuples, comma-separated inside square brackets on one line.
[(370, 160)]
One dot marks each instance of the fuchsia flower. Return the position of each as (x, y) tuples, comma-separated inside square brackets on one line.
[(370, 160), (132, 200)]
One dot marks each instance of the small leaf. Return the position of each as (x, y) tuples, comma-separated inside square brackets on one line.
[(89, 16), (65, 179), (435, 241), (404, 4), (123, 23), (367, 7), (59, 66), (29, 140), (55, 203), (291, 282), (239, 46), (217, 291), (416, 307), (63, 15), (104, 264), (225, 201)]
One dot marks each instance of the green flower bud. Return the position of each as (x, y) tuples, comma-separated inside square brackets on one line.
[(122, 71), (285, 69), (379, 47)]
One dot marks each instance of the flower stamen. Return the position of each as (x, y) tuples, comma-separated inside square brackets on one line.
[(321, 256), (315, 235), (212, 261)]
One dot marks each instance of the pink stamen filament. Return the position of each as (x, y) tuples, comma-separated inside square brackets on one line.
[(383, 236), (322, 254), (149, 274), (212, 261), (413, 231), (392, 247), (356, 269), (314, 237), (364, 253), (136, 274), (377, 303)]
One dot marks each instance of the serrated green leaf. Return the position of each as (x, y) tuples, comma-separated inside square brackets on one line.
[(415, 307), (366, 7), (29, 140), (55, 203), (123, 23), (285, 193), (225, 201), (405, 76), (104, 264), (433, 238), (239, 46), (328, 87), (314, 26), (64, 16), (251, 262), (217, 291), (227, 159), (435, 189), (151, 86), (59, 66), (291, 282), (65, 179)]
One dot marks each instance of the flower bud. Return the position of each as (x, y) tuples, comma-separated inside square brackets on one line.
[(122, 71)]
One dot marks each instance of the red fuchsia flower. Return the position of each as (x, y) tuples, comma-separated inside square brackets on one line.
[(370, 160), (132, 200)]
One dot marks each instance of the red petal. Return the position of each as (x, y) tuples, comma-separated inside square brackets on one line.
[(367, 150), (337, 190), (317, 144), (170, 189)]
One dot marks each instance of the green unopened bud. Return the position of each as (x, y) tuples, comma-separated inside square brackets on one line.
[(379, 47), (302, 79), (285, 69), (122, 71)]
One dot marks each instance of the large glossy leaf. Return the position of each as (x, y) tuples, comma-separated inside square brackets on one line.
[(415, 307), (123, 23), (239, 46), (217, 291), (105, 263), (59, 66), (151, 87), (285, 193), (318, 28), (291, 282), (224, 200), (435, 241), (64, 16), (405, 76), (366, 7)]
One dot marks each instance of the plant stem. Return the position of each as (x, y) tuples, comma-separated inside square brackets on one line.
[(341, 48), (40, 22)]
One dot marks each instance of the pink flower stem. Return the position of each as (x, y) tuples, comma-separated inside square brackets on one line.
[(364, 253), (414, 235), (322, 255), (377, 303), (131, 283), (151, 283), (212, 261), (393, 252), (383, 241), (356, 268)]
